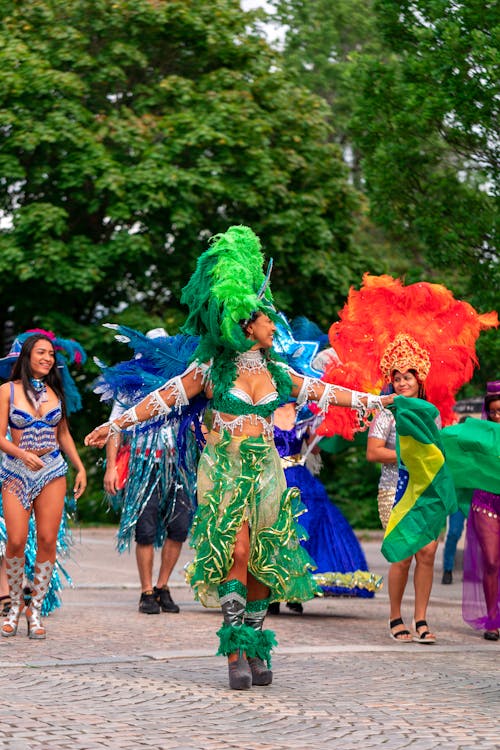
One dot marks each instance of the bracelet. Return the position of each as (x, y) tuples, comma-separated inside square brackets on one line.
[(158, 405), (363, 412)]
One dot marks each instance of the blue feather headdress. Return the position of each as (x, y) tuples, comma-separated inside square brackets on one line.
[(156, 359)]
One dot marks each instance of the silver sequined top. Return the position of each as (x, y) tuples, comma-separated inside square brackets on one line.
[(383, 427)]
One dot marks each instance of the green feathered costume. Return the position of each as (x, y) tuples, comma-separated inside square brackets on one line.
[(240, 479)]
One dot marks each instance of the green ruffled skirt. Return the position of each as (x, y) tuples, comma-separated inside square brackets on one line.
[(239, 480)]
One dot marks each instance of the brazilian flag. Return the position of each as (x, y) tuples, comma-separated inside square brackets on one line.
[(472, 451), (425, 495)]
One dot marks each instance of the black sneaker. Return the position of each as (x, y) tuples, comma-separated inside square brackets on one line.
[(274, 608), (164, 600), (295, 607), (447, 577), (148, 604)]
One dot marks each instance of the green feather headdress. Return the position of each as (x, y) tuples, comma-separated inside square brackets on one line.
[(227, 286)]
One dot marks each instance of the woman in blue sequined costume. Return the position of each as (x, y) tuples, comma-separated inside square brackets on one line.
[(332, 543), (68, 351), (33, 472)]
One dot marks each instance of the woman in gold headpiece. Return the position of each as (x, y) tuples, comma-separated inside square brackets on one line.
[(405, 366), (407, 337)]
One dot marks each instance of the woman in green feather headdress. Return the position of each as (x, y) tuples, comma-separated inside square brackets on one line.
[(245, 532)]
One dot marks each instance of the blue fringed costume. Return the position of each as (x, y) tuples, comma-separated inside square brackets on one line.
[(160, 455)]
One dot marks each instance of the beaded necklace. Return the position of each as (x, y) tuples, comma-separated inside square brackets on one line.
[(252, 361), (39, 396)]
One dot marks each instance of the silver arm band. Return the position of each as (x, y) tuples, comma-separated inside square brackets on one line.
[(114, 429), (181, 398), (372, 401), (356, 402), (307, 390), (128, 419), (159, 405)]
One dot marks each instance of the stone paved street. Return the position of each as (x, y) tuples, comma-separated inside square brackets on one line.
[(109, 677)]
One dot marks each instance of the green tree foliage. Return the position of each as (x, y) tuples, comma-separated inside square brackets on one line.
[(413, 91), (133, 131), (426, 120), (129, 133), (320, 38), (413, 88), (425, 117), (352, 482)]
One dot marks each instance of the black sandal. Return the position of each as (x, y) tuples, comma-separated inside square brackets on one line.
[(426, 636), (5, 605), (397, 636), (491, 635)]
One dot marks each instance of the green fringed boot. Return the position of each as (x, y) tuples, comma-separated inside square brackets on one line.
[(260, 657), (235, 637)]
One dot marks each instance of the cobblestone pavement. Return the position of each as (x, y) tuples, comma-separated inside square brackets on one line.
[(109, 677)]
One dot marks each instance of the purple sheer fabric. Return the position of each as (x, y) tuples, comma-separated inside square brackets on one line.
[(481, 586)]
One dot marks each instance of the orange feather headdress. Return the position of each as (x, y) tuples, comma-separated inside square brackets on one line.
[(387, 326)]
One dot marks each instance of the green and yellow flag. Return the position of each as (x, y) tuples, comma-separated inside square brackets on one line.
[(425, 494), (472, 451)]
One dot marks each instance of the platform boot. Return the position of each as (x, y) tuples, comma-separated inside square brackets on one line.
[(42, 576), (235, 637), (260, 657)]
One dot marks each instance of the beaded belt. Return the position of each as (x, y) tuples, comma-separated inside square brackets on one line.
[(486, 512)]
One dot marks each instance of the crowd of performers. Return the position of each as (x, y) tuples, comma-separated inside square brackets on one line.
[(214, 430)]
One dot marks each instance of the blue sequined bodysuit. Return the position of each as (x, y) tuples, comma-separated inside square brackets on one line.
[(39, 434)]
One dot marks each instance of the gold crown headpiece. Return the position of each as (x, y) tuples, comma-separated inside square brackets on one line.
[(402, 354)]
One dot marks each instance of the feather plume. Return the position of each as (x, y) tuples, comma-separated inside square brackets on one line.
[(383, 307), (224, 290)]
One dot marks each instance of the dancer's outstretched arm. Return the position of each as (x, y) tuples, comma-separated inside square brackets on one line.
[(328, 394), (174, 393)]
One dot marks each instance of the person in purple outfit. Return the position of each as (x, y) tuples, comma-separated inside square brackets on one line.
[(481, 583)]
